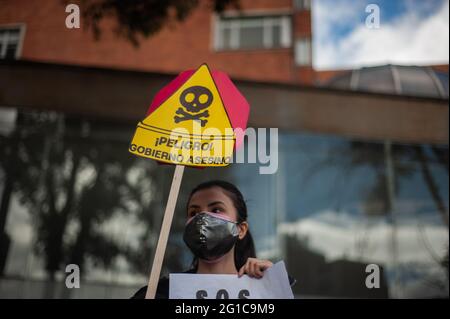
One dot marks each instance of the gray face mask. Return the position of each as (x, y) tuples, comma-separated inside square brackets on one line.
[(210, 236)]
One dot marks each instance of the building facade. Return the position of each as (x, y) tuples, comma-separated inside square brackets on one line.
[(264, 39)]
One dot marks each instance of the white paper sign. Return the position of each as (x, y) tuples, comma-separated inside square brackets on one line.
[(273, 285)]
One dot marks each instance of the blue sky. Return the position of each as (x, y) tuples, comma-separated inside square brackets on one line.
[(410, 32)]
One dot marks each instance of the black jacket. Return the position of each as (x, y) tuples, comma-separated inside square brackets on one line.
[(162, 292)]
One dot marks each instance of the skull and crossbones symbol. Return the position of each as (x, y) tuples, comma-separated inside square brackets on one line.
[(194, 99)]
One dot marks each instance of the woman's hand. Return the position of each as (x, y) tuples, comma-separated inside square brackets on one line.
[(255, 267)]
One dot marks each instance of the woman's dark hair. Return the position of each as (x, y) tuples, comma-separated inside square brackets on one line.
[(244, 247)]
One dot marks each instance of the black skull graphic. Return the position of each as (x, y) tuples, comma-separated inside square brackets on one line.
[(196, 98)]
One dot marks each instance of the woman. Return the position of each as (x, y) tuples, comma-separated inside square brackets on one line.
[(218, 235)]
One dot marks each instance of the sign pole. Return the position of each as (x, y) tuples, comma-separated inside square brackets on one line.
[(164, 234)]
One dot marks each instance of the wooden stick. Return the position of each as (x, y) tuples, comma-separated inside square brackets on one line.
[(164, 234)]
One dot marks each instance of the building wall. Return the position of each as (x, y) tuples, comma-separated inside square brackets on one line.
[(176, 47), (324, 212)]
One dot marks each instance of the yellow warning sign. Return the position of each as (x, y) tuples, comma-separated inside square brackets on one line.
[(190, 128)]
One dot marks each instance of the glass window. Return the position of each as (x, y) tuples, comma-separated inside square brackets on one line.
[(443, 78), (251, 37), (276, 35), (303, 51), (302, 4), (416, 81), (9, 42), (253, 32), (11, 50), (226, 38), (375, 79), (352, 203), (335, 206)]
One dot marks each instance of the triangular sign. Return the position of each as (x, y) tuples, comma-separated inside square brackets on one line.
[(191, 127)]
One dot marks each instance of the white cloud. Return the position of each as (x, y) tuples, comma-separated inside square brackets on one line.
[(408, 39), (337, 234)]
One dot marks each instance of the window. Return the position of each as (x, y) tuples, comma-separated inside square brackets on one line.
[(233, 33), (303, 52), (302, 4), (10, 42)]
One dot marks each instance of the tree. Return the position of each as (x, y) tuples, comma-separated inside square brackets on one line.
[(136, 19), (392, 164), (66, 178)]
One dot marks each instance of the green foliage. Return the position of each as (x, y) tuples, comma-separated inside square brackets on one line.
[(135, 19)]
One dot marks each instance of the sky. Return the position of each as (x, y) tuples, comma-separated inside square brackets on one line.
[(411, 32)]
